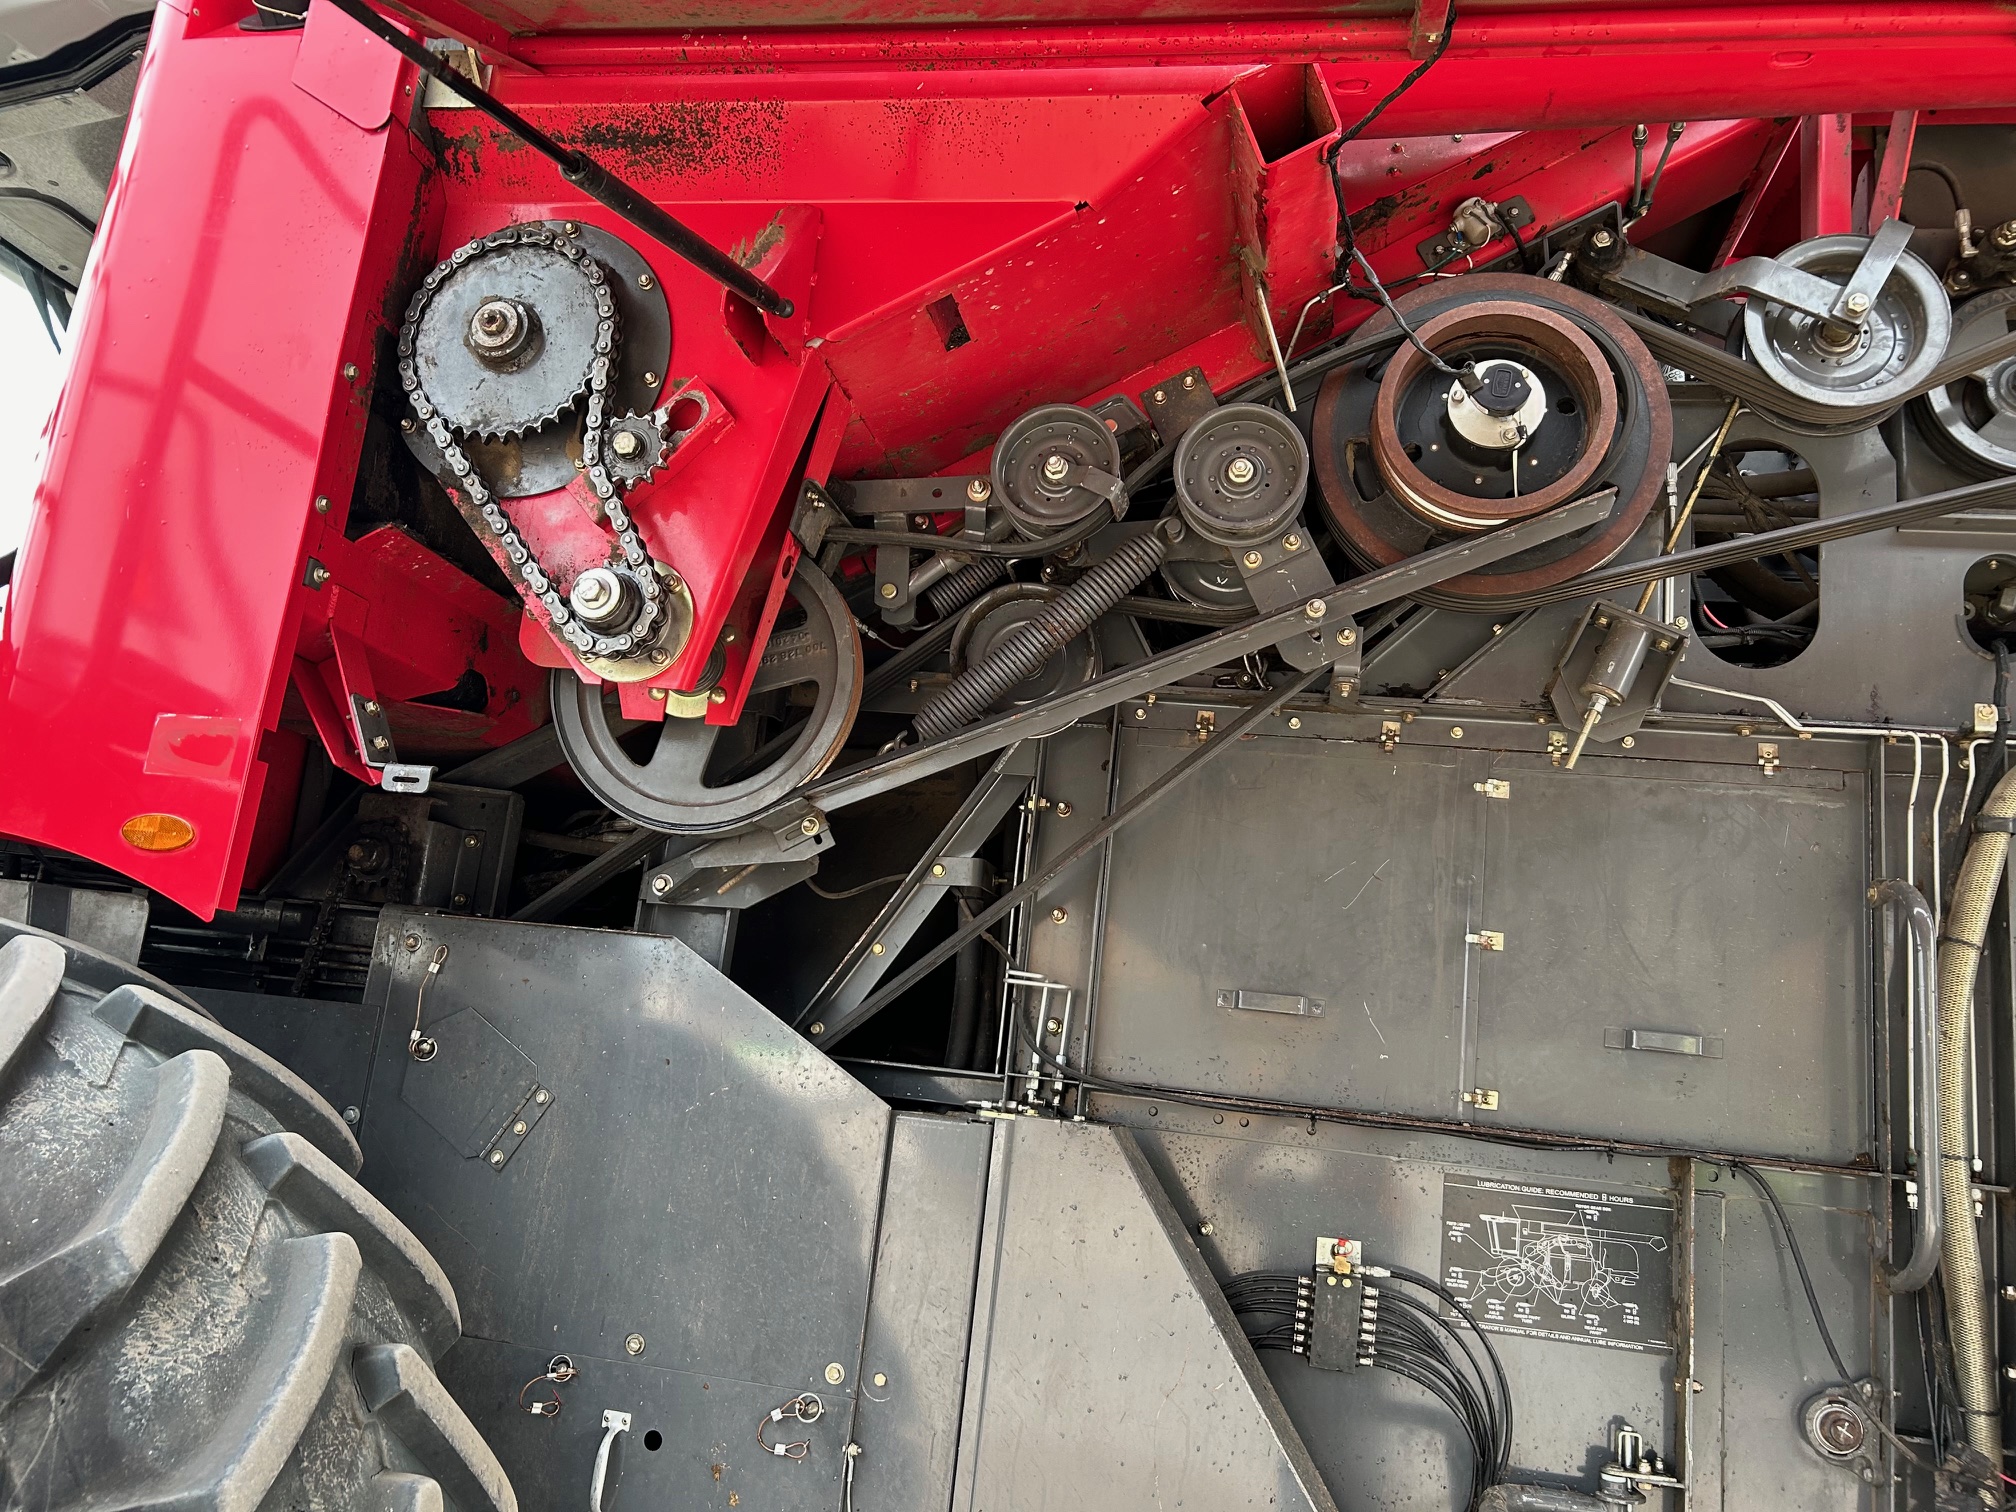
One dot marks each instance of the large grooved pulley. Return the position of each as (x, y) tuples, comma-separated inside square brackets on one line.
[(1241, 473), (1406, 458), (1973, 420), (507, 340), (1893, 349), (685, 776)]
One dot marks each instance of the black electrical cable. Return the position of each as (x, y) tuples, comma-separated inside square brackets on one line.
[(1350, 255), (1799, 1263), (1673, 133)]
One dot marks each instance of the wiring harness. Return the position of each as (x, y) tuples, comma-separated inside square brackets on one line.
[(1338, 1319)]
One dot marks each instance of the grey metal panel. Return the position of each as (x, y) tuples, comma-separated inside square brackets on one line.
[(725, 1175), (920, 1312), (112, 923), (703, 1428), (1665, 897), (1302, 867), (1107, 1365), (1268, 1186), (327, 1044), (1267, 1190)]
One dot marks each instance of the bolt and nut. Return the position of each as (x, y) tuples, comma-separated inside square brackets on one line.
[(646, 281), (810, 825), (1291, 543), (1315, 609), (1056, 468), (1858, 303), (1058, 915), (1252, 559), (1240, 472), (625, 443), (979, 490), (661, 885), (1602, 236)]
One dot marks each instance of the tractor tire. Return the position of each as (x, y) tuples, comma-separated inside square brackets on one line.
[(200, 1308)]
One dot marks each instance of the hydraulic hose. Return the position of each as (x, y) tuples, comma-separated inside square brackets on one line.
[(1026, 649), (1926, 1133), (1960, 948)]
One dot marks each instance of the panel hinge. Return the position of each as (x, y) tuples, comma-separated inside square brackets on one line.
[(1486, 939), (1389, 735), (1493, 787), (1767, 756), (1482, 1097)]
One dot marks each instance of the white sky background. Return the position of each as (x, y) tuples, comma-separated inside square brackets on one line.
[(30, 369)]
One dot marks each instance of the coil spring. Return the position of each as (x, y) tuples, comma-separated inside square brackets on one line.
[(1026, 649), (957, 589)]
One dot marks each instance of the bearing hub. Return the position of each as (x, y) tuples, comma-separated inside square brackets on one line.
[(1894, 348), (1973, 421)]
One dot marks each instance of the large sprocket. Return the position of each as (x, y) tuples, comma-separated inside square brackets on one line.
[(508, 341)]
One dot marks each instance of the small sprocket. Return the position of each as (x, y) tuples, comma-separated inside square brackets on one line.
[(635, 446)]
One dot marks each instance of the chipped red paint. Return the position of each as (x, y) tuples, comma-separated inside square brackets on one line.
[(1106, 199)]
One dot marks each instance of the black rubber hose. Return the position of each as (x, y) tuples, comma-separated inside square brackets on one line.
[(1026, 649), (956, 590)]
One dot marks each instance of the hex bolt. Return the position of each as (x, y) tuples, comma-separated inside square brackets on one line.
[(1058, 915), (1206, 1229), (1347, 637), (1161, 397), (1252, 559), (646, 281), (496, 1157), (352, 1114), (472, 842), (1055, 468), (411, 942), (979, 490), (1291, 543), (661, 885), (634, 1345), (1602, 236), (379, 743), (1240, 472), (1315, 609), (1455, 732), (1858, 303), (2004, 235), (518, 1127), (810, 825), (318, 574), (1053, 1026), (817, 1029), (878, 948), (350, 370), (1063, 810), (1294, 721), (625, 443), (1140, 713), (880, 1380), (542, 1097), (1189, 380), (650, 380), (1629, 742), (2008, 1292), (717, 695), (573, 228), (937, 868), (835, 1373)]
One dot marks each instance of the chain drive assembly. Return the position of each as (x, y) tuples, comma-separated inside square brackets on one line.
[(651, 580)]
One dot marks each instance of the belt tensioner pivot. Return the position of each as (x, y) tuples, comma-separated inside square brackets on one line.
[(1407, 457)]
